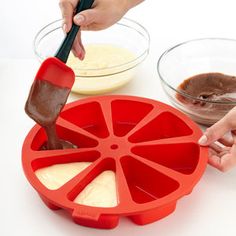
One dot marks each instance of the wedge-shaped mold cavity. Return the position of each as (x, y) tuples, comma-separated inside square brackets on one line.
[(145, 183), (100, 192), (99, 188), (182, 157), (89, 117), (56, 170), (166, 125), (80, 140), (127, 114), (55, 176)]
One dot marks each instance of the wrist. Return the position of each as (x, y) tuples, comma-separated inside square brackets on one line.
[(132, 3)]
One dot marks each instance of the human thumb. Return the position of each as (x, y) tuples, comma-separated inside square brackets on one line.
[(86, 17)]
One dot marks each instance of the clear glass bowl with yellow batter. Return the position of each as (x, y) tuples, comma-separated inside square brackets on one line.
[(112, 55), (200, 56)]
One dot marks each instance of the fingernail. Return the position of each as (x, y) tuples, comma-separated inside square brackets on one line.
[(82, 56), (79, 19), (78, 55), (203, 140), (64, 28)]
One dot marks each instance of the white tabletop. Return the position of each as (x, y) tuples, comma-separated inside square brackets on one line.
[(209, 210)]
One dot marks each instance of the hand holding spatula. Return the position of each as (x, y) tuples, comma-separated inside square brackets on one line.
[(52, 85)]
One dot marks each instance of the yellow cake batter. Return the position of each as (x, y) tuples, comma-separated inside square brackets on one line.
[(99, 72), (53, 177), (101, 192)]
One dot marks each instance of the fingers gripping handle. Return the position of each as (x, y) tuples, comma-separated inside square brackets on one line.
[(64, 50)]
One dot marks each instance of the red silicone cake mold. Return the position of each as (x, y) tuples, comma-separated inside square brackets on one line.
[(151, 147)]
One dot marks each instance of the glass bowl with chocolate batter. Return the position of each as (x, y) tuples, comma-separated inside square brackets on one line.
[(112, 55), (199, 77)]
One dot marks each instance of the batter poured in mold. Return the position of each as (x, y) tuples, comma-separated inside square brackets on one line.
[(210, 87), (44, 105)]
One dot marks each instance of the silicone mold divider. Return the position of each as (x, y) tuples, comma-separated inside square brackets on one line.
[(151, 147)]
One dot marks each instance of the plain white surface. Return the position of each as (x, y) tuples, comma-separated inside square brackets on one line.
[(209, 210), (169, 22)]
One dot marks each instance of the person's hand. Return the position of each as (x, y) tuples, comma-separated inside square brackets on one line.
[(103, 14), (222, 154)]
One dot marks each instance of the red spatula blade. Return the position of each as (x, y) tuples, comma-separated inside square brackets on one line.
[(56, 72)]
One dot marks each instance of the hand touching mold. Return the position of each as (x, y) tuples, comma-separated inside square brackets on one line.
[(222, 155)]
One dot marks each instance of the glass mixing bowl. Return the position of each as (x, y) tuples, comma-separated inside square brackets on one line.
[(192, 58), (98, 78)]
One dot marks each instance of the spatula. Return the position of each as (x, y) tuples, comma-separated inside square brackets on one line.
[(52, 85)]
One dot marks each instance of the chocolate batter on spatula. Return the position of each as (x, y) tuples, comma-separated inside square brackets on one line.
[(44, 105), (208, 86)]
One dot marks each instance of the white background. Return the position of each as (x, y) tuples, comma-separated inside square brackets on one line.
[(209, 210), (168, 22)]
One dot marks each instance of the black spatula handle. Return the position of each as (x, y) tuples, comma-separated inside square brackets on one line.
[(64, 50)]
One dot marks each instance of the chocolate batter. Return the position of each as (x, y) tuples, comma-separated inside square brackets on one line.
[(209, 86), (44, 105)]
